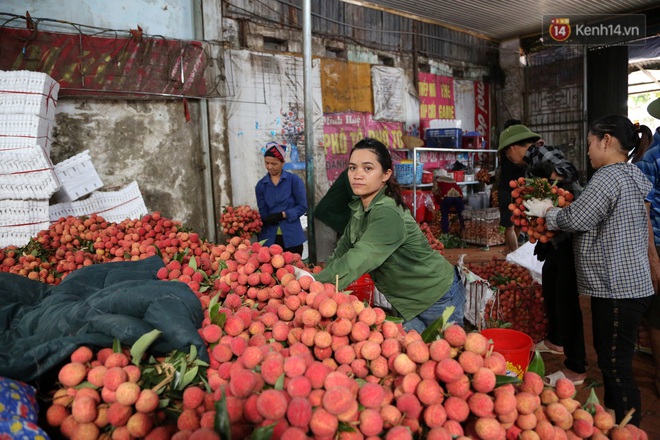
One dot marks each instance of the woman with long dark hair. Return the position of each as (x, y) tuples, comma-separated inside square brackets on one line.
[(610, 242), (383, 239)]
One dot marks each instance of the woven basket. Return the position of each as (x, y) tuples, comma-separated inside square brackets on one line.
[(404, 173)]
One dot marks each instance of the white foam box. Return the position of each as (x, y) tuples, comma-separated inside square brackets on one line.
[(26, 92), (27, 174), (19, 236), (23, 212), (77, 176), (113, 206), (25, 131)]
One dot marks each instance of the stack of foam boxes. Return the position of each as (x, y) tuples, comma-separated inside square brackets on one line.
[(27, 177)]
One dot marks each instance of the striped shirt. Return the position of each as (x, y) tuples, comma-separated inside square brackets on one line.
[(537, 155), (610, 233)]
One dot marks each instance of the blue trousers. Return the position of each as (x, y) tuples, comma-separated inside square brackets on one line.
[(455, 296)]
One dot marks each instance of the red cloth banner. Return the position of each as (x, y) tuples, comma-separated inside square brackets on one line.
[(436, 98), (135, 67), (343, 130), (482, 110)]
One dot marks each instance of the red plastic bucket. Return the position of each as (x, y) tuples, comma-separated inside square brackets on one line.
[(515, 346)]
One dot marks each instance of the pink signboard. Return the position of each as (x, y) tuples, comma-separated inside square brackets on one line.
[(436, 98), (343, 130)]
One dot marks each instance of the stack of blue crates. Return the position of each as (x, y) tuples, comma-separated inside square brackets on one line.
[(443, 138)]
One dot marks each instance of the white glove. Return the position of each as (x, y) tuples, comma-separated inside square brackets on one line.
[(536, 207), (300, 273)]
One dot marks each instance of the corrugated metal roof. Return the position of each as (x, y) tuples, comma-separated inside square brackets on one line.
[(499, 19)]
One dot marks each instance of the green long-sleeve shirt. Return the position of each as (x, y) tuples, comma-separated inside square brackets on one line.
[(385, 241)]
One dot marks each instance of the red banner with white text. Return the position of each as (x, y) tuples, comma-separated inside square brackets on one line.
[(482, 110)]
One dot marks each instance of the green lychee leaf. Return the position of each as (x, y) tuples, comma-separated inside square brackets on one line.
[(279, 384), (262, 432), (501, 379), (193, 263), (394, 319), (163, 403), (432, 332), (189, 377), (221, 424), (592, 400), (345, 427), (86, 384), (140, 346), (116, 346), (219, 319), (537, 365), (213, 305)]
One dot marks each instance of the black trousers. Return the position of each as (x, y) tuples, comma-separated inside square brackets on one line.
[(615, 325), (294, 249), (562, 304)]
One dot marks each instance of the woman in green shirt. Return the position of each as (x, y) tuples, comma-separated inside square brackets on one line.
[(383, 239)]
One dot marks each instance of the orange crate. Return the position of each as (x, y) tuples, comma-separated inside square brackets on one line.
[(363, 289)]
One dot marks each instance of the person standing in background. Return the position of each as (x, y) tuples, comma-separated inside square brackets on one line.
[(331, 216), (514, 142), (650, 166), (448, 195), (282, 201)]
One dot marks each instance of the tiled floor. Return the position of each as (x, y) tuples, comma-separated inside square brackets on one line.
[(643, 363)]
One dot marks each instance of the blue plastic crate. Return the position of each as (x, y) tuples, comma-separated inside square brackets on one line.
[(443, 138), (404, 173)]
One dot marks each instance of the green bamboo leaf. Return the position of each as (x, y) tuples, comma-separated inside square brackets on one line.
[(279, 384), (116, 346), (263, 432), (536, 365), (221, 424), (193, 263), (140, 346), (504, 380)]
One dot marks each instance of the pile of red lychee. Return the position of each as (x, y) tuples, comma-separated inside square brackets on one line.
[(298, 356)]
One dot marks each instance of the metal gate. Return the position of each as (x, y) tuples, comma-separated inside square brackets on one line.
[(554, 101)]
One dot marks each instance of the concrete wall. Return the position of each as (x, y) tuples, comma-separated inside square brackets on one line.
[(170, 18), (182, 168), (146, 141)]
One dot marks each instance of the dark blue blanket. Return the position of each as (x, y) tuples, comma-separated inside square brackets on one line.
[(41, 325)]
